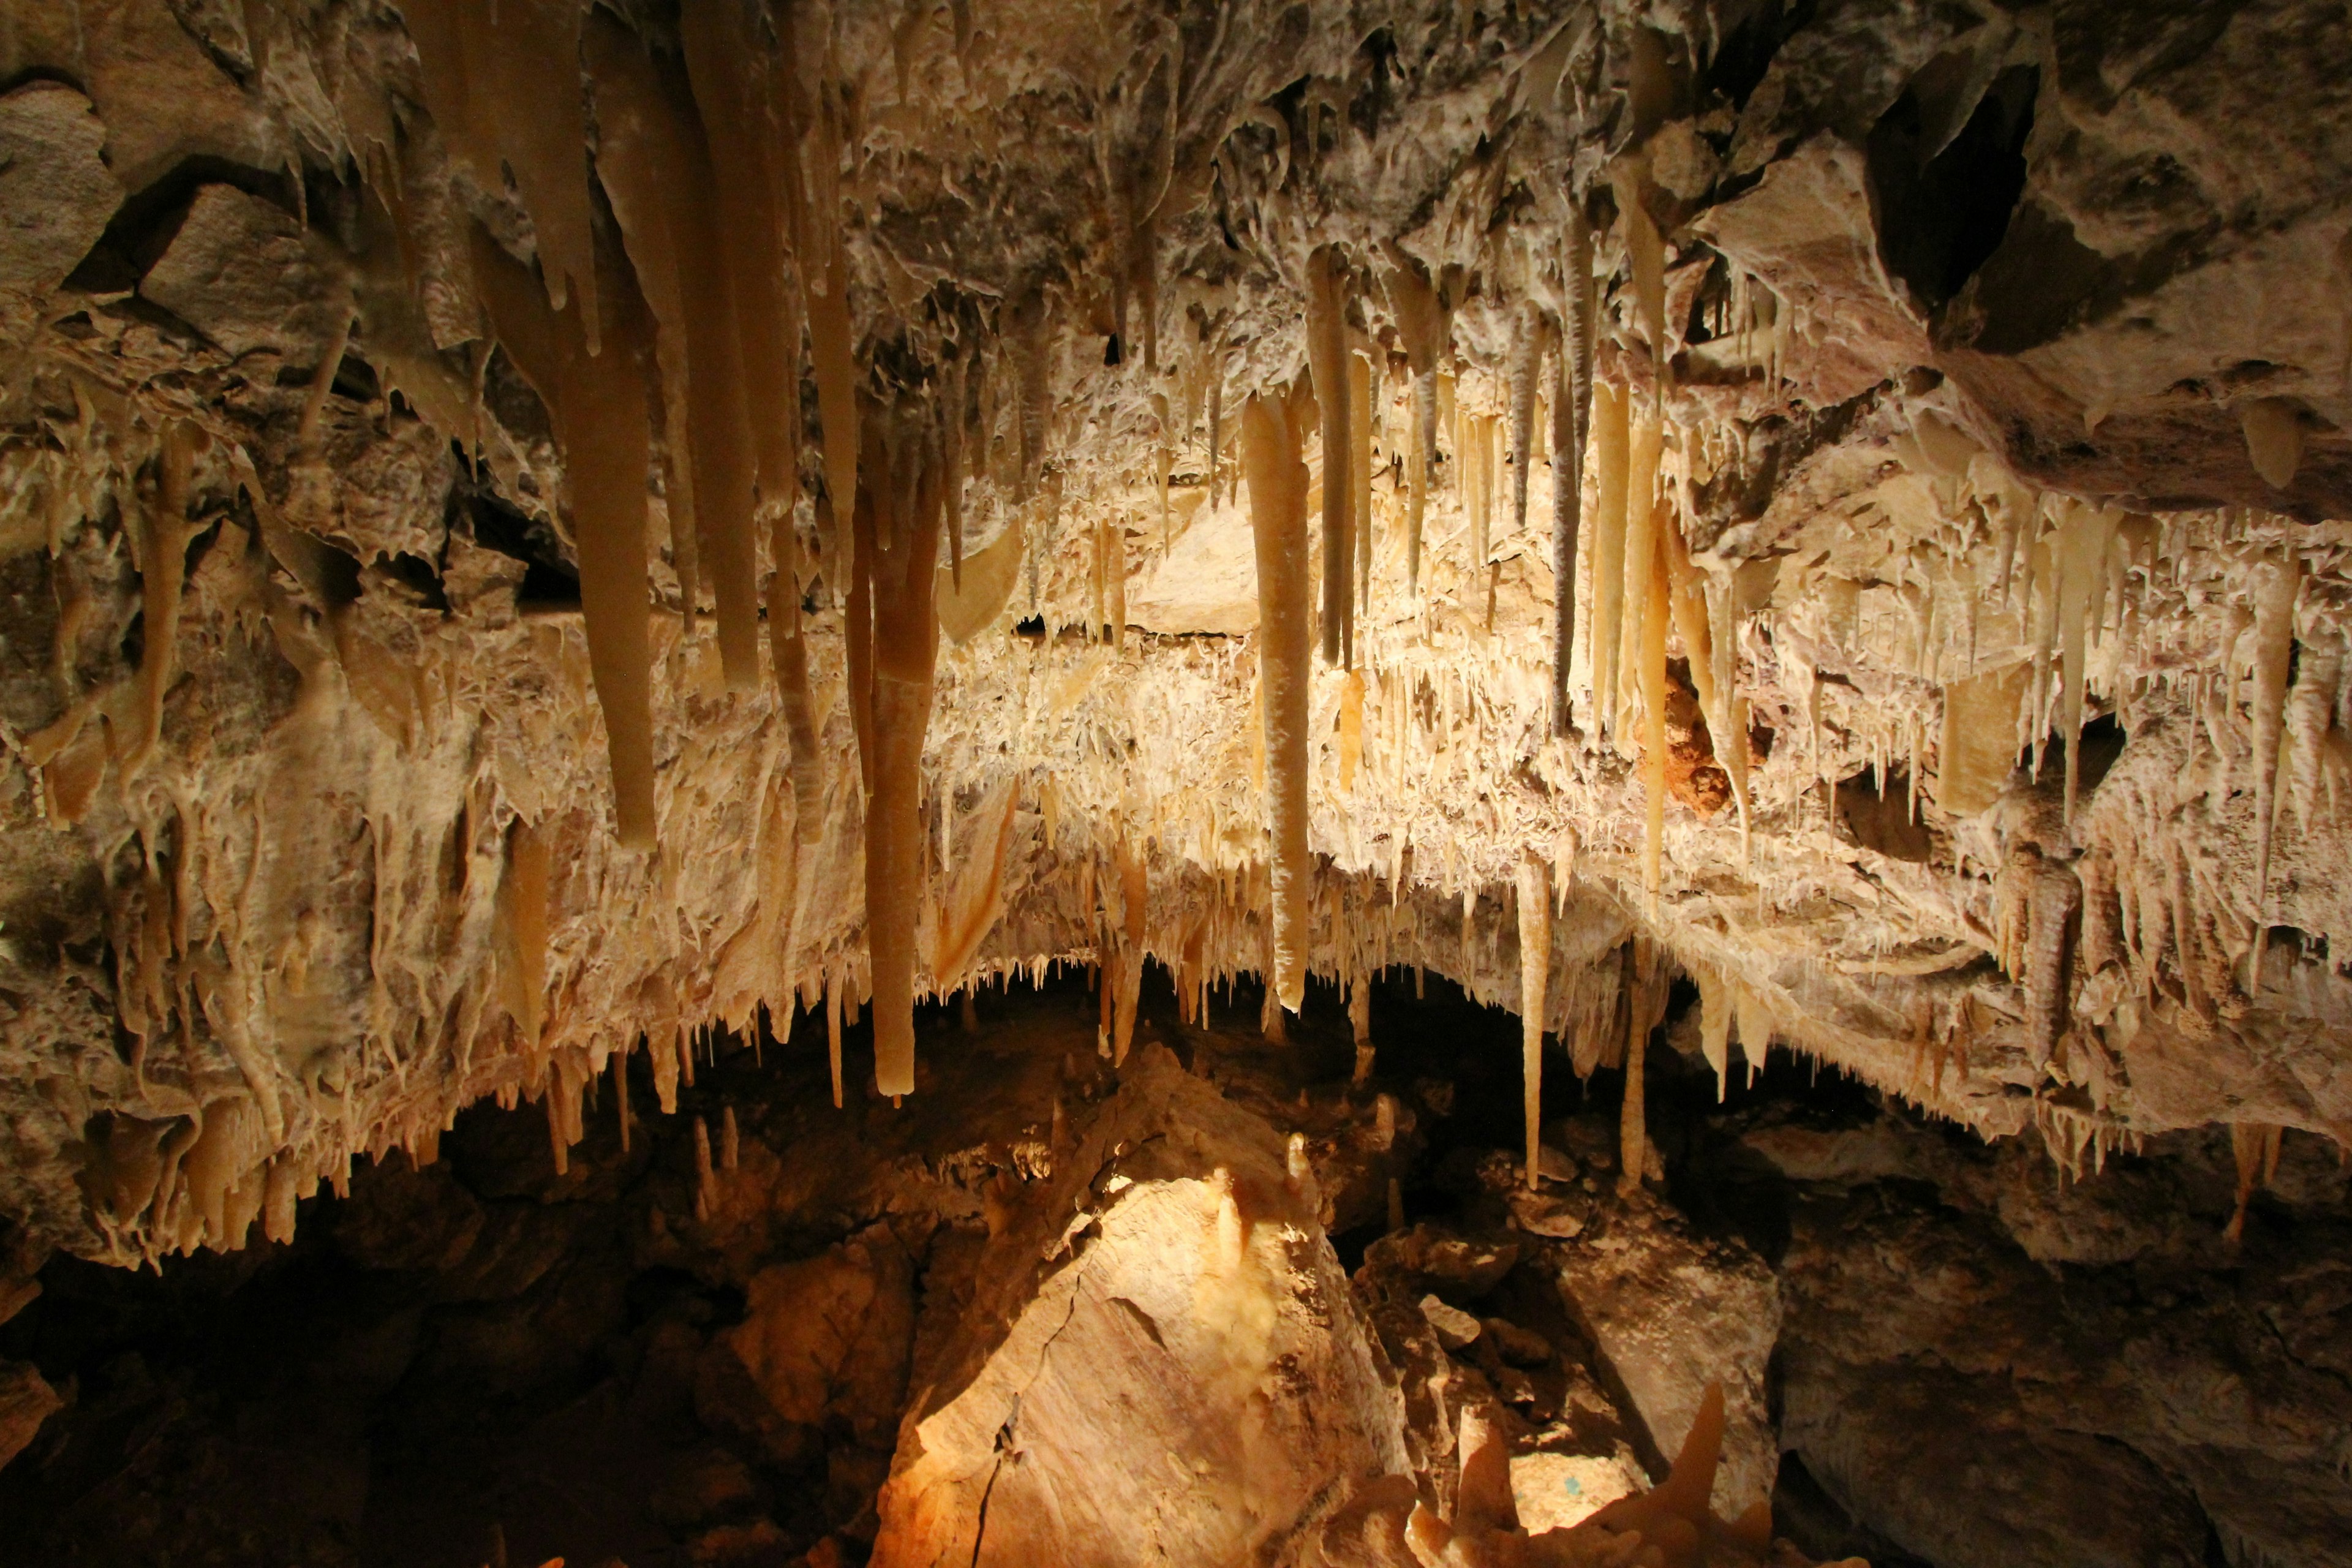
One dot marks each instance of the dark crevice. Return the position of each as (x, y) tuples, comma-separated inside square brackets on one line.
[(1877, 813), (1942, 212), (1752, 32), (547, 579), (147, 222)]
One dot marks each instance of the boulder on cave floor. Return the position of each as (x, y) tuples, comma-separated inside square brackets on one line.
[(1162, 1361), (1667, 1312)]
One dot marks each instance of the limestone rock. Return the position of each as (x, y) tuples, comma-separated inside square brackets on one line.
[(1670, 1313), (164, 98), (828, 1337), (56, 192), (242, 271), (1461, 1268), (26, 1401), (1455, 1329), (1171, 1375), (1556, 1491)]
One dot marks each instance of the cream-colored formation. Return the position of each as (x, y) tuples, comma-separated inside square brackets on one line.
[(770, 316)]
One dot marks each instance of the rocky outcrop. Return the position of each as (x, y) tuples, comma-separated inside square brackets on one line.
[(1160, 1361), (2038, 1371), (1670, 1316), (56, 189)]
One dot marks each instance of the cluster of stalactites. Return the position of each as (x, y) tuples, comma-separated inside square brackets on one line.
[(670, 300)]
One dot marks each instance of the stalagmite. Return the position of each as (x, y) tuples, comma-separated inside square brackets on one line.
[(1278, 498), (905, 646), (1328, 359), (1535, 977)]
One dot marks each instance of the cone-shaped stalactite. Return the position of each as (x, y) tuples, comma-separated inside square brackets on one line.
[(898, 524), (1278, 500)]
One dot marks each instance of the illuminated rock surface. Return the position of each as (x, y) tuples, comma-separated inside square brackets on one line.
[(545, 548)]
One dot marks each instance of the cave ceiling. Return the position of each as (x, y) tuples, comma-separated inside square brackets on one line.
[(538, 534)]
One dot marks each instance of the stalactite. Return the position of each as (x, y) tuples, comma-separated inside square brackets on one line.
[(1115, 541), (1326, 357), (1654, 703), (831, 334), (161, 561), (1611, 455), (1644, 446), (1277, 498), (1527, 361), (522, 928), (727, 63), (1216, 423), (978, 897), (1424, 458), (833, 985), (1645, 257), (2276, 584), (1359, 1023), (951, 456), (1363, 416), (1571, 419), (1421, 319), (2273, 431), (901, 575), (1535, 977), (1716, 1006), (621, 1117), (1134, 903), (503, 84), (1351, 730), (2082, 553), (2312, 759), (1633, 1125), (2255, 1147), (650, 163)]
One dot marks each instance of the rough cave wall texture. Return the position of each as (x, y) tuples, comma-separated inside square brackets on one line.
[(1991, 365)]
